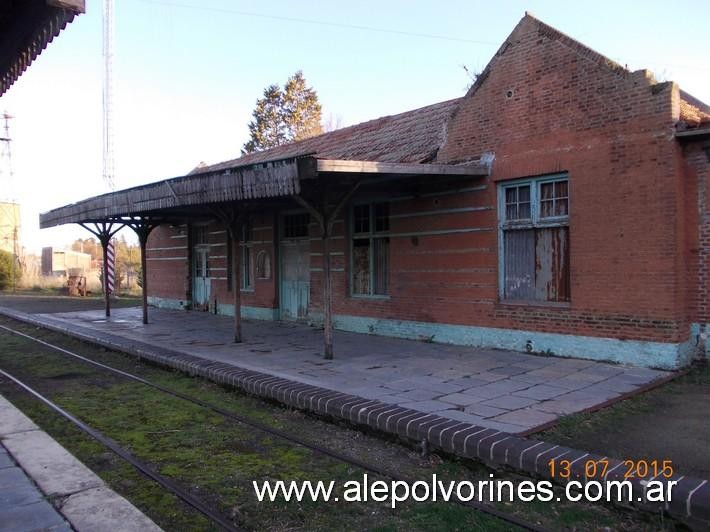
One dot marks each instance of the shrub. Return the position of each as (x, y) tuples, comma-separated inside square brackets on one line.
[(6, 260)]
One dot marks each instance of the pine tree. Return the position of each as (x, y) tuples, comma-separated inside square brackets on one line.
[(302, 111), (267, 129), (283, 116)]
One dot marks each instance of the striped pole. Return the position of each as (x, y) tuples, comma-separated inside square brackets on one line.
[(110, 268)]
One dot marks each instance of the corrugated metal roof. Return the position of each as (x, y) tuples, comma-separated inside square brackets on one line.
[(410, 137)]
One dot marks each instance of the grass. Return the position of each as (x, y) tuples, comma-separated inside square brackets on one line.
[(218, 459), (571, 427)]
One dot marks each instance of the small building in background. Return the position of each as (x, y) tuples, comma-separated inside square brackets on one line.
[(64, 262), (26, 28)]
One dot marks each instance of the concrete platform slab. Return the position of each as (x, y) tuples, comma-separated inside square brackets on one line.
[(55, 471), (103, 509), (418, 375), (38, 515), (23, 507), (83, 498), (510, 402), (5, 460), (13, 421)]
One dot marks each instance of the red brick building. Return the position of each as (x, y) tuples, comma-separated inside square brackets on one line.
[(560, 206)]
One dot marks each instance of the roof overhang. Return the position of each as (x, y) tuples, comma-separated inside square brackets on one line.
[(475, 168), (26, 28), (268, 180), (255, 183), (693, 133)]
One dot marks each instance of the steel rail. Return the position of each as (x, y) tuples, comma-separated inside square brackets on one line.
[(279, 433), (143, 467)]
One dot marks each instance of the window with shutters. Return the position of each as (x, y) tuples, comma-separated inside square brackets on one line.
[(534, 240)]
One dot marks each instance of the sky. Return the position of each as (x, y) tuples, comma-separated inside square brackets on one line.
[(187, 74)]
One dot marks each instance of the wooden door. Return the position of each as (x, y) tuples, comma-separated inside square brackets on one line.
[(295, 279), (201, 278)]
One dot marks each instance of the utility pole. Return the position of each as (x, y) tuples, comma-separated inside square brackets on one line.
[(15, 257)]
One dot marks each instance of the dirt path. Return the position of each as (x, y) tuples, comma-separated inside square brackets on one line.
[(669, 423)]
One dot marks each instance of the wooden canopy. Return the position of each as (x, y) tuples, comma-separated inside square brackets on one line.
[(228, 193), (26, 28), (262, 181)]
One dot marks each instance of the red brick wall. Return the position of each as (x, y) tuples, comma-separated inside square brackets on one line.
[(168, 272), (263, 294), (697, 158), (568, 110), (545, 105), (550, 105)]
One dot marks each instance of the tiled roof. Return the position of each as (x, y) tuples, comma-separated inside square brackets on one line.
[(410, 137), (693, 112)]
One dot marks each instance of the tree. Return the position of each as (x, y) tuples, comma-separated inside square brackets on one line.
[(127, 255), (90, 246), (283, 116), (267, 129), (6, 270), (128, 260), (332, 123), (302, 111)]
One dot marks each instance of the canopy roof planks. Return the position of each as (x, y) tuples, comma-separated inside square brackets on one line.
[(26, 28), (261, 181)]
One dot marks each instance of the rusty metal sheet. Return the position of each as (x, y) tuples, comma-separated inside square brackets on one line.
[(537, 264), (552, 264)]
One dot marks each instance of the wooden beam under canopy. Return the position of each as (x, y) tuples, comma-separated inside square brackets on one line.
[(325, 217), (476, 168), (143, 226), (232, 219), (104, 231)]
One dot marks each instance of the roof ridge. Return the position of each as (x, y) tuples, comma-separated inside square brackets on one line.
[(578, 46), (553, 33)]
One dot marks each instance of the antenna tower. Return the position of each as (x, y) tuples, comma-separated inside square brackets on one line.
[(108, 163)]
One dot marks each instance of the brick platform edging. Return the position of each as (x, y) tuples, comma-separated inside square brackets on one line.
[(691, 496)]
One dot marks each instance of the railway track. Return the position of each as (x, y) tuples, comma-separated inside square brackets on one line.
[(214, 516)]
